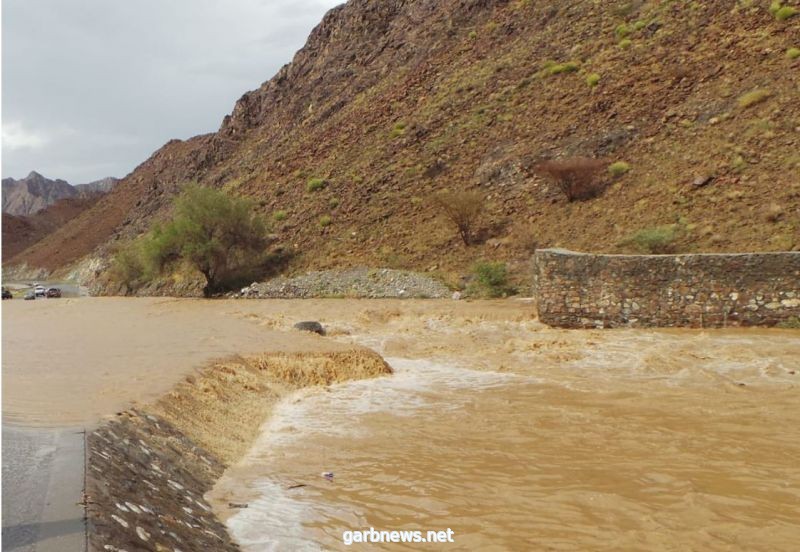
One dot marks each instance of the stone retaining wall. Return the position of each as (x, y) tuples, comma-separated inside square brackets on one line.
[(579, 290)]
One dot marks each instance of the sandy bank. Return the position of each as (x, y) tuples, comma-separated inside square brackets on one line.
[(149, 468)]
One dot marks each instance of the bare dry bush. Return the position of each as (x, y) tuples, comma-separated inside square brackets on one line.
[(463, 209), (577, 177)]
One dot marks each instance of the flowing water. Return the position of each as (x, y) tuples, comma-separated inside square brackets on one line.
[(513, 435), (601, 441), (70, 362)]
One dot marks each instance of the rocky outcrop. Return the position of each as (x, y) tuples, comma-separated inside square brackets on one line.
[(310, 326), (104, 185)]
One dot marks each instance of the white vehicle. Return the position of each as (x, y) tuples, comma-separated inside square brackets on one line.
[(40, 291)]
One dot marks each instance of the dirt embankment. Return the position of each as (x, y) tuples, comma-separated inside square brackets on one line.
[(148, 469)]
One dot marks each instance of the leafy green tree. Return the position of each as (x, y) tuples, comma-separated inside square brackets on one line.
[(217, 234)]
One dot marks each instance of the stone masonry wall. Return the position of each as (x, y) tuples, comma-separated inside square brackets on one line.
[(578, 290)]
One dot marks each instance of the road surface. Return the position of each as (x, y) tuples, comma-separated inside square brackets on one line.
[(42, 488)]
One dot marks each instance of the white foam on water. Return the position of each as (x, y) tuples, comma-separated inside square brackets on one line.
[(275, 521), (414, 385), (676, 361)]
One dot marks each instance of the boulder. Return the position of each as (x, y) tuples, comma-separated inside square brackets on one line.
[(310, 326)]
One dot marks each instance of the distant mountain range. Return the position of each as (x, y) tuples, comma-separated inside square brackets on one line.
[(35, 192)]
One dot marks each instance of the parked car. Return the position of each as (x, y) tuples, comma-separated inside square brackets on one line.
[(39, 291), (7, 294), (30, 296), (53, 293)]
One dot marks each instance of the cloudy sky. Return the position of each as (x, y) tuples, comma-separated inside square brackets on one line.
[(92, 87)]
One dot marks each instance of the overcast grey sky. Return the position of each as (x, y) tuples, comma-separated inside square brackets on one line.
[(92, 87)]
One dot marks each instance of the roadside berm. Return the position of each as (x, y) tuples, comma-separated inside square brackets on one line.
[(149, 467)]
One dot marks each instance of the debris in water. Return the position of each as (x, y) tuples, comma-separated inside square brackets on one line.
[(328, 475), (236, 505), (290, 487)]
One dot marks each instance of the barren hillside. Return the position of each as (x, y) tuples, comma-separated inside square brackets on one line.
[(20, 232), (392, 100)]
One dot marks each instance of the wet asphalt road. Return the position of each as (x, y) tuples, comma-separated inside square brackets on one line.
[(43, 482), (42, 488)]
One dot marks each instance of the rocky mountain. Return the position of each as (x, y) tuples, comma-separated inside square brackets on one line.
[(35, 192), (20, 232), (103, 185), (391, 101)]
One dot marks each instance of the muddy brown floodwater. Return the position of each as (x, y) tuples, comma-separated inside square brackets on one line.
[(71, 362), (514, 435), (519, 437)]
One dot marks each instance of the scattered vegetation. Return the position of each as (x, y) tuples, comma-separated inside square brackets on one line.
[(399, 129), (490, 280), (782, 13), (463, 209), (793, 53), (738, 163), (792, 323), (316, 184), (279, 216), (592, 79), (658, 240), (618, 168), (774, 6), (553, 68), (325, 221), (753, 97), (577, 178), (214, 233), (625, 43), (622, 31), (333, 203)]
